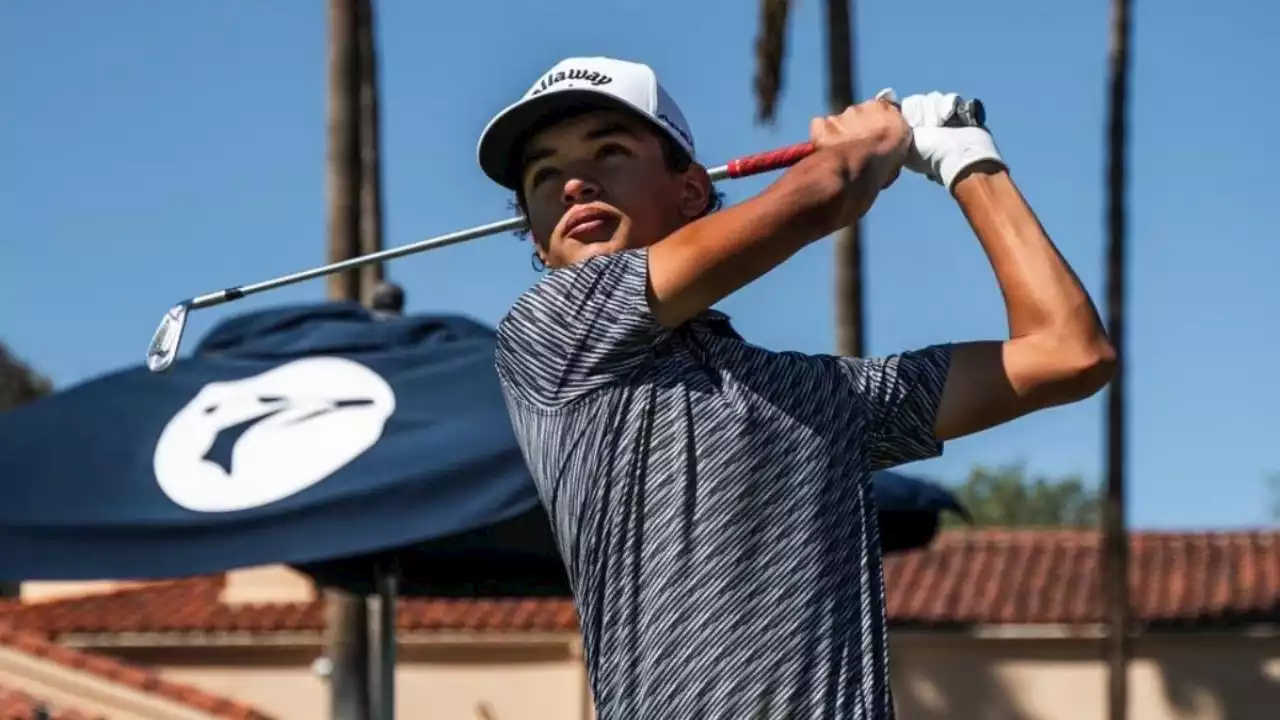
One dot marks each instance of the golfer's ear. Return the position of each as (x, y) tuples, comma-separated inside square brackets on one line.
[(697, 191), (540, 251)]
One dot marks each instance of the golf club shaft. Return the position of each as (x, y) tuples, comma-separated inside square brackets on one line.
[(967, 112), (739, 168), (167, 340), (235, 293)]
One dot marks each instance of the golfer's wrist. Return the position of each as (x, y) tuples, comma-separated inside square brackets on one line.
[(815, 190), (862, 169), (973, 183), (973, 148)]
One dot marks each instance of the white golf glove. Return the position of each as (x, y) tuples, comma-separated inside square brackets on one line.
[(939, 152)]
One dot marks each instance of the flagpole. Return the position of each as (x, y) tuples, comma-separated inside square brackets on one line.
[(386, 301), (384, 635)]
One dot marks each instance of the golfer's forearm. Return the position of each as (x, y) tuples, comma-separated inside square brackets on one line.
[(1043, 297), (1057, 351), (707, 260)]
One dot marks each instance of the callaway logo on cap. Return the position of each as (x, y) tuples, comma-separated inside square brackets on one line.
[(593, 82)]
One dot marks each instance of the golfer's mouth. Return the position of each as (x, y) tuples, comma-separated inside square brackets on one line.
[(588, 225)]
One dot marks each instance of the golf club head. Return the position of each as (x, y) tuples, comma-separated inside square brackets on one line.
[(164, 344)]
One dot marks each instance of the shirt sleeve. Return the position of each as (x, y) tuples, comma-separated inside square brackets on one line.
[(899, 395), (579, 329)]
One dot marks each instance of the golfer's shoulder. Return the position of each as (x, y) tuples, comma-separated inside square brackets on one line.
[(598, 275), (560, 297)]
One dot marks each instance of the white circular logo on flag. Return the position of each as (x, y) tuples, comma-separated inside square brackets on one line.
[(246, 443)]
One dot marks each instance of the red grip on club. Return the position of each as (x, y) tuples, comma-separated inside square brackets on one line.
[(770, 160)]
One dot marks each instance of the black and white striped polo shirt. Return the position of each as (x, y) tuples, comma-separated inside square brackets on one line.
[(711, 499)]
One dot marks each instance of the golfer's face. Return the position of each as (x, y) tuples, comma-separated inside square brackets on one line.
[(596, 184)]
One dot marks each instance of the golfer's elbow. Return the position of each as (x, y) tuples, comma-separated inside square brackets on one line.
[(1093, 367), (1072, 365)]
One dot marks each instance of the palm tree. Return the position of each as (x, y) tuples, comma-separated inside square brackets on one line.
[(369, 132), (1116, 542), (770, 52), (343, 147)]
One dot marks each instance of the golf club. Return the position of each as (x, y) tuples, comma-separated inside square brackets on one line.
[(168, 337)]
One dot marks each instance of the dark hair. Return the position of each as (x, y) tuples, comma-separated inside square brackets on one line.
[(676, 158)]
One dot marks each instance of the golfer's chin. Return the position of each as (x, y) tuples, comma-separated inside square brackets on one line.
[(574, 250)]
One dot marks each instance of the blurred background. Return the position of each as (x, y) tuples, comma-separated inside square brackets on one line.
[(155, 151)]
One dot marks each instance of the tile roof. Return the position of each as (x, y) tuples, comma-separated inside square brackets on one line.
[(9, 606), (1018, 577), (16, 705), (132, 676), (977, 577), (193, 605)]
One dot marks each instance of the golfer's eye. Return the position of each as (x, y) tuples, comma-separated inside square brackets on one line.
[(541, 175), (613, 149)]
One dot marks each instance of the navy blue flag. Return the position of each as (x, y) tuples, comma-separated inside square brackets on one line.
[(910, 510), (292, 435), (318, 436)]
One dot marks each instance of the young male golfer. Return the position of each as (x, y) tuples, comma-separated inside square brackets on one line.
[(711, 498)]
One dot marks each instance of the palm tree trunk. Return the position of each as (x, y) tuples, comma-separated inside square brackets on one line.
[(850, 320), (370, 130), (346, 615), (347, 647), (344, 148), (1116, 545)]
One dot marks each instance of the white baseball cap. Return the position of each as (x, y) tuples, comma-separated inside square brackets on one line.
[(599, 82)]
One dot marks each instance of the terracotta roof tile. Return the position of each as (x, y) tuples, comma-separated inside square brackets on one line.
[(966, 577), (9, 606), (1052, 577), (133, 676), (193, 605), (16, 705)]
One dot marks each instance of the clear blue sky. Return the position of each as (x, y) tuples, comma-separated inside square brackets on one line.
[(152, 151)]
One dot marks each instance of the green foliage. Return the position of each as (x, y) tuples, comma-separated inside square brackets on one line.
[(1006, 497), (19, 383), (1273, 491)]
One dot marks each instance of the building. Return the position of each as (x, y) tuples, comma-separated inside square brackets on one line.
[(36, 674), (988, 625)]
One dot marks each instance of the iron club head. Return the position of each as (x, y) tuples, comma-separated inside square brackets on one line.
[(164, 344)]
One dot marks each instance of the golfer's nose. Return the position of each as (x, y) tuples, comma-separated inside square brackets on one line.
[(580, 190)]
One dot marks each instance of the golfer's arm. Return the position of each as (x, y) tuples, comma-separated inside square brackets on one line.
[(1057, 352), (707, 260)]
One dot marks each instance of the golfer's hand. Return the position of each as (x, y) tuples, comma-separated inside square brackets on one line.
[(875, 127), (942, 153), (872, 137)]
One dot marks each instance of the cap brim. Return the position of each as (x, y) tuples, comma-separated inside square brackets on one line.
[(499, 146)]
